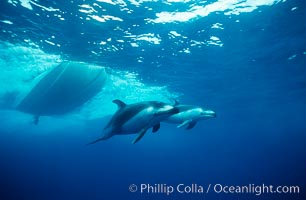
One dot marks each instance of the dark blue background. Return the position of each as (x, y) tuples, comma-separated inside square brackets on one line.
[(258, 93)]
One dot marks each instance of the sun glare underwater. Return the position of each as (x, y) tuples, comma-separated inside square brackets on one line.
[(241, 63)]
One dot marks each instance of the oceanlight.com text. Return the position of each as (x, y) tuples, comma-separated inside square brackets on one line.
[(195, 188), (256, 189)]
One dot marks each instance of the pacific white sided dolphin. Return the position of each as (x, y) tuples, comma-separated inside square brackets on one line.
[(137, 118), (189, 115)]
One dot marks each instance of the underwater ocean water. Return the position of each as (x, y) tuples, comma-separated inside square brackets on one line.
[(244, 59)]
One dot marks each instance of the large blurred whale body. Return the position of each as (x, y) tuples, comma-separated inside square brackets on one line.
[(63, 89)]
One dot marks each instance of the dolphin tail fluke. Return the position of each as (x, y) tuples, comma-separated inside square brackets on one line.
[(140, 135)]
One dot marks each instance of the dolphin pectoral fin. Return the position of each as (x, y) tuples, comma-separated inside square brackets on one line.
[(156, 128), (191, 125), (185, 123), (98, 140), (140, 135)]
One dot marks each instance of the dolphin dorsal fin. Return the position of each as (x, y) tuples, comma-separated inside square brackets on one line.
[(176, 102), (119, 103)]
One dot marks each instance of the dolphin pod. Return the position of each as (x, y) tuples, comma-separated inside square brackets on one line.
[(71, 84), (139, 117)]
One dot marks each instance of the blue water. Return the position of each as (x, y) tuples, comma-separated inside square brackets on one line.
[(244, 59)]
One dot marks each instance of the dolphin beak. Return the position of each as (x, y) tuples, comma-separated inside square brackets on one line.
[(209, 113)]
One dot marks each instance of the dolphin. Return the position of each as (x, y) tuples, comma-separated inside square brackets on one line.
[(189, 115), (136, 118)]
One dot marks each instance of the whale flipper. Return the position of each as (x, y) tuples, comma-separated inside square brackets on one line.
[(156, 128), (140, 135), (191, 125)]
